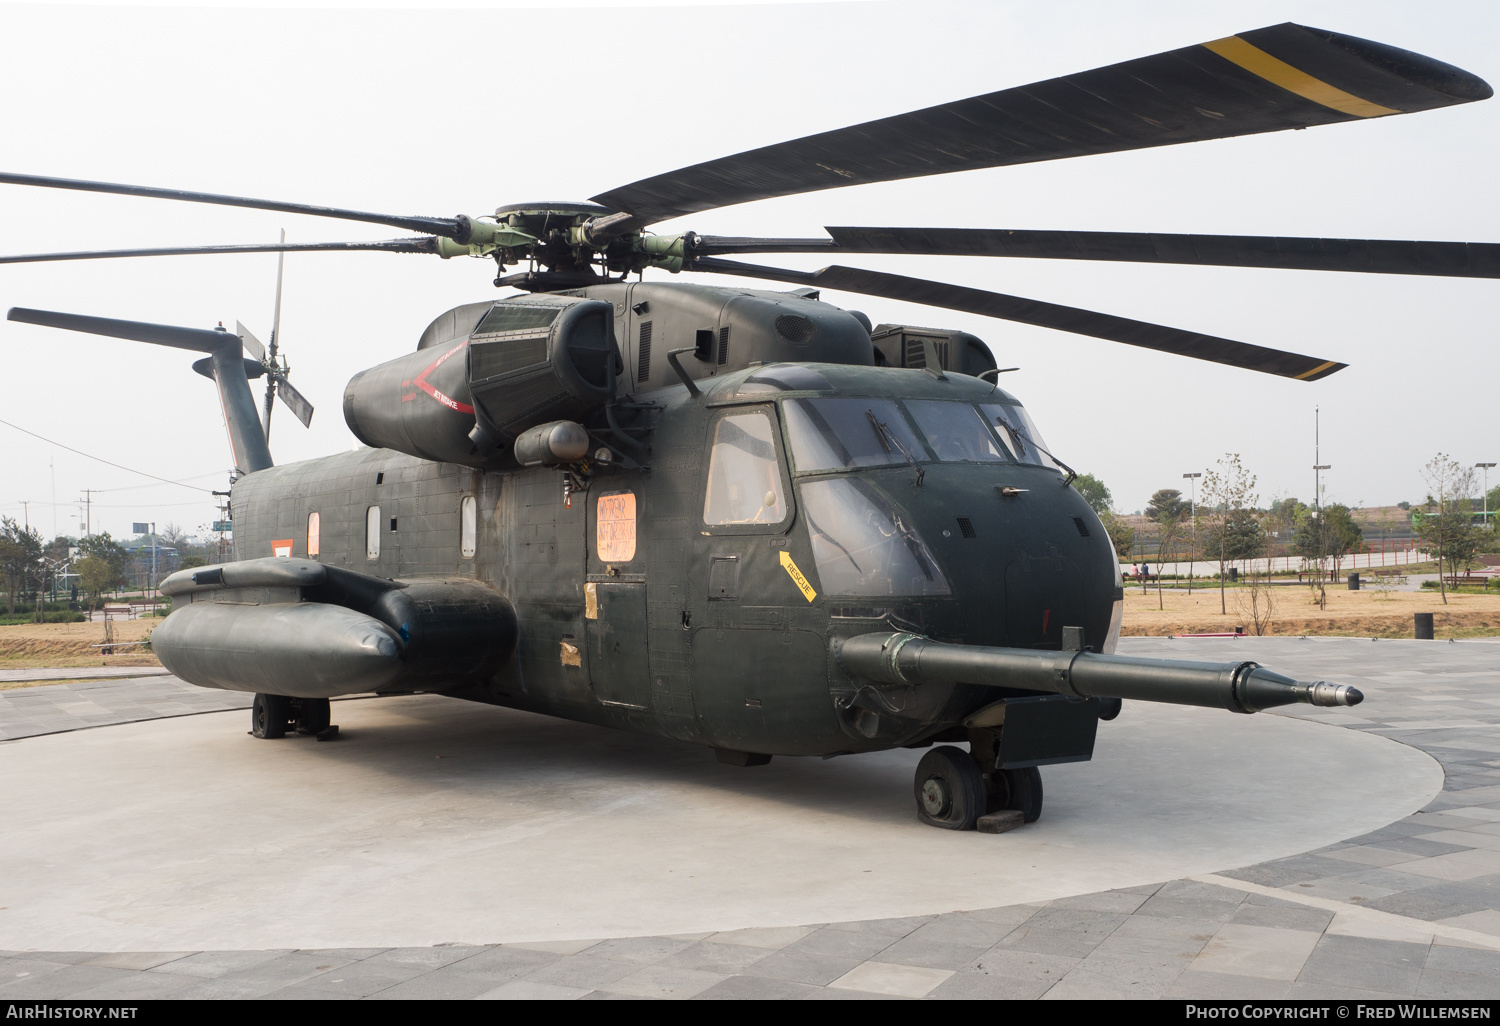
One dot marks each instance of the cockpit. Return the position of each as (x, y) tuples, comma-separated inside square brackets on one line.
[(864, 544)]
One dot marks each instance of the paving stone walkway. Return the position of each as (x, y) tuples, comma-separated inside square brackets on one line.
[(1410, 910)]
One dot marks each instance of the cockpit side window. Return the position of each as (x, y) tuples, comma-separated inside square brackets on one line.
[(744, 474)]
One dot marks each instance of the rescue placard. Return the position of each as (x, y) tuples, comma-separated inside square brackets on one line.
[(282, 548), (795, 573), (614, 528)]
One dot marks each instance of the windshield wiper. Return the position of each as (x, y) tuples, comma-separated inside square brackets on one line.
[(1021, 436), (887, 439)]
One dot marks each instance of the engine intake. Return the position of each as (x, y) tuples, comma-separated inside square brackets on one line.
[(529, 361)]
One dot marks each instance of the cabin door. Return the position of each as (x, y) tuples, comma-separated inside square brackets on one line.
[(615, 601)]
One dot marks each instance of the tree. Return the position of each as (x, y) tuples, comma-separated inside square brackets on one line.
[(1167, 504), (174, 537), (101, 564), (1094, 493), (1448, 524), (20, 548), (1121, 534), (1228, 498)]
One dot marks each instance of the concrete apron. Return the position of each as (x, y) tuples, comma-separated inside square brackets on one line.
[(431, 820)]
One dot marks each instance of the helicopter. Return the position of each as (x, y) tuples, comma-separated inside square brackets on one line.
[(750, 519)]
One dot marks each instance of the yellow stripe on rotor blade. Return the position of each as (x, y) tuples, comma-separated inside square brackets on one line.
[(1319, 369), (1256, 61)]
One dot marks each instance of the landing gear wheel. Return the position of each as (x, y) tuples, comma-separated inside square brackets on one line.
[(270, 715), (949, 789), (313, 715), (1019, 789)]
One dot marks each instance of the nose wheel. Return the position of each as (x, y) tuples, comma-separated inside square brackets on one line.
[(952, 791), (949, 789)]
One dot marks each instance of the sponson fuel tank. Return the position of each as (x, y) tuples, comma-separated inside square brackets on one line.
[(301, 628)]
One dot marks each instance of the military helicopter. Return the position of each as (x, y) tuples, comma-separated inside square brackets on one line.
[(750, 519)]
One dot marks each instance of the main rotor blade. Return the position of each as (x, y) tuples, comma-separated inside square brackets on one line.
[(295, 401), (1266, 80), (1371, 256), (446, 226), (1045, 315), (137, 331), (417, 245)]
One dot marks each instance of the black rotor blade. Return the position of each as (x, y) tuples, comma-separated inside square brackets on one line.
[(1044, 315), (295, 401), (1266, 80), (137, 331), (416, 245), (1370, 256), (446, 226)]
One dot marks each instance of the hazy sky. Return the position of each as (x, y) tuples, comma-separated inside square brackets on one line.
[(441, 112)]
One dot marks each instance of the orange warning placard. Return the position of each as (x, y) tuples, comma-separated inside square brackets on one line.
[(614, 528)]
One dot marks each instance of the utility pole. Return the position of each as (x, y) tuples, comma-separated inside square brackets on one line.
[(1193, 486), (1486, 468), (26, 514), (88, 510), (1318, 468)]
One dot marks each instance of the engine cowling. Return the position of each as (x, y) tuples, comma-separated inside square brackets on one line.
[(528, 361)]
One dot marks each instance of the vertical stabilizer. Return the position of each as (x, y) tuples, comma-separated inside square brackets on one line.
[(225, 361)]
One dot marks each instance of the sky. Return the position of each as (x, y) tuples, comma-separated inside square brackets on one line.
[(439, 112)]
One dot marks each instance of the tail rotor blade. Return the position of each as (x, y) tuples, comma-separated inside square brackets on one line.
[(295, 401), (252, 344)]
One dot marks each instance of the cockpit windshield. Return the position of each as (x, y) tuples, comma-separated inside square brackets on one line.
[(862, 543), (832, 434), (955, 431), (1015, 428)]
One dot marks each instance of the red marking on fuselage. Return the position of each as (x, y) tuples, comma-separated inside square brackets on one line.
[(421, 382)]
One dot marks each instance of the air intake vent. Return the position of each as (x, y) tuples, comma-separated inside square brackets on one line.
[(515, 317), (1083, 529), (967, 527), (796, 330), (723, 345), (643, 370)]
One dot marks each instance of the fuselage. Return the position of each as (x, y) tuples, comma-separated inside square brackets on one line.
[(700, 597)]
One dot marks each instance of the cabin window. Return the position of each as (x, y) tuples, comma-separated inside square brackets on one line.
[(744, 477), (955, 431), (863, 544), (313, 526), (468, 519), (372, 533), (832, 434), (1018, 432)]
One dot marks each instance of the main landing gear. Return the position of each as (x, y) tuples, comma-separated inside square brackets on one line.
[(955, 792), (271, 716)]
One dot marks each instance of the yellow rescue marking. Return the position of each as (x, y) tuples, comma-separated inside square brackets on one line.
[(796, 575), (1278, 72), (1319, 369), (591, 601)]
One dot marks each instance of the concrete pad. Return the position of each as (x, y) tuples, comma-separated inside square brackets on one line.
[(1262, 951), (436, 821), (894, 980)]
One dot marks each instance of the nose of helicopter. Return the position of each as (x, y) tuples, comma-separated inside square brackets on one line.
[(1020, 551)]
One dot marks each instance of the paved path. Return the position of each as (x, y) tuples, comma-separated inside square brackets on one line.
[(1409, 910), (80, 673)]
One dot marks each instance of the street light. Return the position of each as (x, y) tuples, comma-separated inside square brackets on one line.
[(1192, 480), (1486, 468)]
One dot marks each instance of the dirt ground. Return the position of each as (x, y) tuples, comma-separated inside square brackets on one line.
[(26, 646), (1361, 614)]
